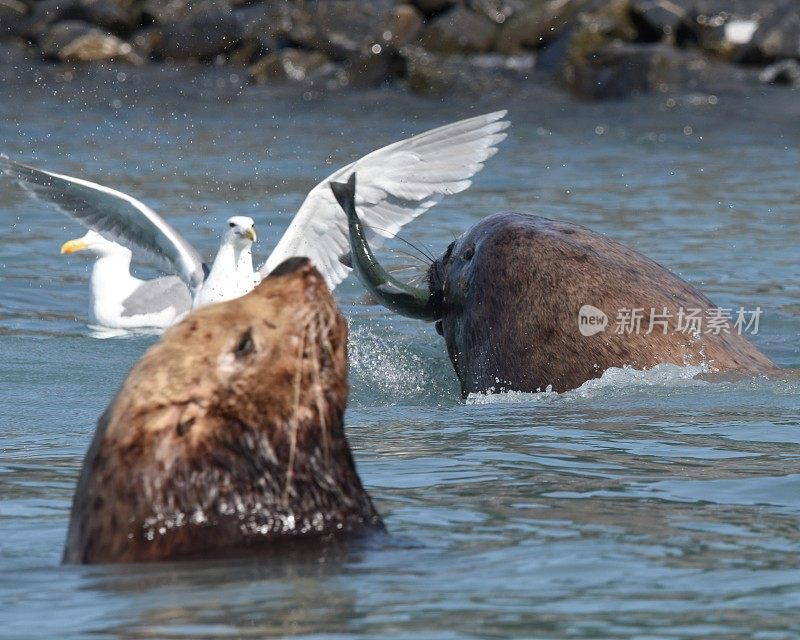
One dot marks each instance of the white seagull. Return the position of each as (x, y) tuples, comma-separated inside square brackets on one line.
[(117, 299), (396, 184)]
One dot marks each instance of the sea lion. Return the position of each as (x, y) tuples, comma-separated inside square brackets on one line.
[(509, 294), (227, 434)]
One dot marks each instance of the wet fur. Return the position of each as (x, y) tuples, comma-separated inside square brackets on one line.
[(509, 291), (227, 434)]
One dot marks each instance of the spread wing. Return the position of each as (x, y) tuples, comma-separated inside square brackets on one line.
[(113, 214), (395, 185)]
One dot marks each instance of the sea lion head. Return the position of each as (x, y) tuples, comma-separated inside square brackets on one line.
[(507, 296), (227, 433)]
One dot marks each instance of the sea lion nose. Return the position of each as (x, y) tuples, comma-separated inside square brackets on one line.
[(289, 265)]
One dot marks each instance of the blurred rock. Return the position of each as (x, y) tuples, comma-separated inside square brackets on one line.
[(376, 67), (536, 26), (431, 7), (460, 30), (620, 69), (786, 72), (435, 74), (197, 30), (293, 65), (12, 17), (777, 37), (339, 28), (499, 11), (406, 25), (657, 19), (722, 27), (74, 41), (119, 16)]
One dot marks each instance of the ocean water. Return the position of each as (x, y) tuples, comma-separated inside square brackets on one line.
[(642, 505)]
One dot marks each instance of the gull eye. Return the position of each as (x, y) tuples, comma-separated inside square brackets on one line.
[(231, 224)]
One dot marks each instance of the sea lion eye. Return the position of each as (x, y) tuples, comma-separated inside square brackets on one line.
[(467, 255), (246, 344)]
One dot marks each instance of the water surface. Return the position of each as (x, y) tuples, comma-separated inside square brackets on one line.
[(639, 506)]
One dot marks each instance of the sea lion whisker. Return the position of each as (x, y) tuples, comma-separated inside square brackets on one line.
[(319, 399), (298, 378), (428, 255)]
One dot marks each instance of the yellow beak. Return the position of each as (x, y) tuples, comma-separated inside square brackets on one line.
[(251, 233), (74, 245)]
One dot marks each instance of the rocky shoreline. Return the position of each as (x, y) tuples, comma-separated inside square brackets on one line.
[(594, 49)]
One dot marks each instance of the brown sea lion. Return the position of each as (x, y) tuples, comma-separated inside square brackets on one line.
[(227, 434), (510, 294)]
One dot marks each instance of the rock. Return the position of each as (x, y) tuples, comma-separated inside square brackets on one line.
[(406, 25), (657, 19), (293, 65), (535, 27), (119, 16), (264, 23), (620, 69), (499, 11), (74, 41), (777, 37), (340, 29), (434, 74), (432, 7), (785, 72), (197, 31), (460, 30), (12, 17), (377, 67), (722, 27)]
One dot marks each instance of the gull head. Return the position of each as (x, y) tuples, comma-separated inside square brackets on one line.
[(95, 243), (241, 231)]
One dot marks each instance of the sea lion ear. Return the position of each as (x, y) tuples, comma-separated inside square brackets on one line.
[(289, 265)]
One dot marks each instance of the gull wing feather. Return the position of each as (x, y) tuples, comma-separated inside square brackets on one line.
[(154, 296), (395, 185), (113, 214)]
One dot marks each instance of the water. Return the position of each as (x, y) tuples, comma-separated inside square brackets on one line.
[(640, 506)]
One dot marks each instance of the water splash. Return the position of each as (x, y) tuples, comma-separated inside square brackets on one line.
[(662, 375)]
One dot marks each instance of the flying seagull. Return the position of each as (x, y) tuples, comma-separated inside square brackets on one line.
[(396, 184)]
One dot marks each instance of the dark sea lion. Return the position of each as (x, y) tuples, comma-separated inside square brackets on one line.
[(227, 434), (509, 294)]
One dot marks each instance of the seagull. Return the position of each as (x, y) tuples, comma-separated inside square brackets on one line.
[(397, 183), (117, 300)]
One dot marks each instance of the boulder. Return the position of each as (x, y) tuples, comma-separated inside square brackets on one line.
[(293, 65), (75, 41), (199, 30), (376, 67), (118, 16), (460, 30), (723, 27), (432, 7), (777, 37), (535, 27), (658, 19), (12, 17), (435, 74), (619, 69), (786, 72), (406, 25), (341, 29)]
